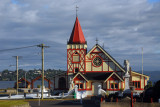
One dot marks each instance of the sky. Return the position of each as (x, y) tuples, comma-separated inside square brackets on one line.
[(123, 26)]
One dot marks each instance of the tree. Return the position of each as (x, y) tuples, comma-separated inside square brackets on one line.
[(148, 85), (156, 90)]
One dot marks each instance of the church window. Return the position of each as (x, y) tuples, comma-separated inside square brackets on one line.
[(137, 84), (97, 61), (114, 85), (76, 70), (62, 83), (76, 57), (81, 86)]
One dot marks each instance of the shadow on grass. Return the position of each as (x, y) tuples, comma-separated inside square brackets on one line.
[(85, 103)]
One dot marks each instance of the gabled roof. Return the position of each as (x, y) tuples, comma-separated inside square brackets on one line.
[(108, 55), (23, 79), (97, 76), (81, 75), (137, 73), (112, 75), (77, 36)]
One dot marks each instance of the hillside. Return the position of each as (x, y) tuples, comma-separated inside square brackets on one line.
[(7, 75)]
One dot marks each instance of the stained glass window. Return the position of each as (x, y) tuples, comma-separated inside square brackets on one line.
[(97, 61)]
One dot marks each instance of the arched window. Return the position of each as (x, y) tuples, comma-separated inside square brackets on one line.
[(62, 83), (76, 57)]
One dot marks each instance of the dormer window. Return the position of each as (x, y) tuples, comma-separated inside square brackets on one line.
[(76, 57)]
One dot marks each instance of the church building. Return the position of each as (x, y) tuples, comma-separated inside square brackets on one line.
[(88, 69)]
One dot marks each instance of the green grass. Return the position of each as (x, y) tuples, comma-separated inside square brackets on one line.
[(9, 103)]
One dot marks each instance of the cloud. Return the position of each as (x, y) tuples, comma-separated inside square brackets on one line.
[(123, 26)]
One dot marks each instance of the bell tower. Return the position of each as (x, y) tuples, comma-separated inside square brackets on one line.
[(76, 50)]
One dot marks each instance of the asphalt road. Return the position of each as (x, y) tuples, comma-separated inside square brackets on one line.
[(63, 103)]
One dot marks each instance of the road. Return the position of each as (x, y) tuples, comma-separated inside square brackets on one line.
[(62, 103)]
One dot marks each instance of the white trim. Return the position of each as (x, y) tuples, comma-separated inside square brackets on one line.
[(81, 75), (112, 75), (114, 61)]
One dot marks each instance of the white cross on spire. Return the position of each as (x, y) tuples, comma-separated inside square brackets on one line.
[(96, 41), (76, 10)]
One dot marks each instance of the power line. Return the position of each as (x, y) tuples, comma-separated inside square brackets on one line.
[(3, 50)]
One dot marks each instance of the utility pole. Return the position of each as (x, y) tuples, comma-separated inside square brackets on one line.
[(142, 61), (142, 73), (42, 73), (17, 72), (25, 79)]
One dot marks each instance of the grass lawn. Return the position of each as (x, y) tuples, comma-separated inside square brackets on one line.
[(9, 103)]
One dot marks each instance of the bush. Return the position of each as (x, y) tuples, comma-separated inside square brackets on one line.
[(156, 90)]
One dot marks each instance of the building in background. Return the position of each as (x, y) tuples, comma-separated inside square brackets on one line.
[(93, 68)]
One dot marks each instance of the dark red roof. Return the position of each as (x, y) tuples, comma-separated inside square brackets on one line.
[(77, 36)]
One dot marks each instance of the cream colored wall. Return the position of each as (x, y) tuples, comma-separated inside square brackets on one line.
[(88, 84), (105, 66), (74, 46), (90, 67), (139, 78), (142, 82), (136, 78), (96, 68)]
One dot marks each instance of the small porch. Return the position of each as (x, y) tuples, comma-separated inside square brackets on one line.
[(110, 82)]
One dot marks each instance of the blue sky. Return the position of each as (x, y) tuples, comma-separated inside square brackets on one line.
[(123, 26), (153, 1)]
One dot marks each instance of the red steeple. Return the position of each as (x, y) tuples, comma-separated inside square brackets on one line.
[(77, 36)]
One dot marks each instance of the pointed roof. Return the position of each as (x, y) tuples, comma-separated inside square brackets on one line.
[(108, 55), (77, 36)]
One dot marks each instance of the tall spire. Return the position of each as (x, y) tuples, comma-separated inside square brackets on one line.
[(77, 36)]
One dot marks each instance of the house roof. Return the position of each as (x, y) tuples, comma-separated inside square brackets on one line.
[(137, 73), (108, 55), (23, 79), (79, 73), (116, 76), (97, 76), (77, 36)]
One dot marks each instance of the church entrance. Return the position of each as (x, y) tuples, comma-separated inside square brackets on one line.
[(95, 88), (62, 83)]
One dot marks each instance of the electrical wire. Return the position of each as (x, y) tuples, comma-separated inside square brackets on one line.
[(3, 50)]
